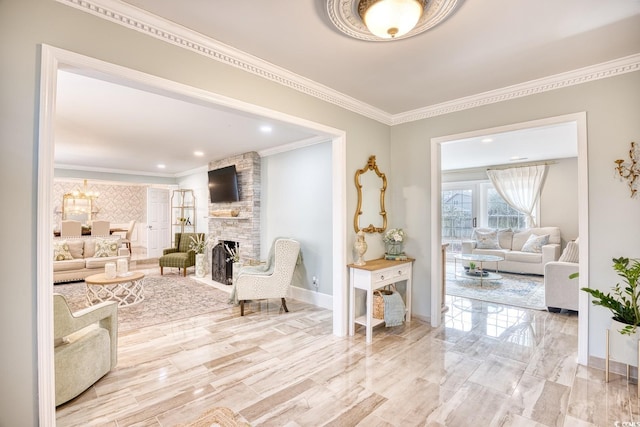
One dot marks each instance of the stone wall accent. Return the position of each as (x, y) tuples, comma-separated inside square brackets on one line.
[(245, 229)]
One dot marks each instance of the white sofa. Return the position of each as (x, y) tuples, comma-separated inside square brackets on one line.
[(510, 244), (84, 261)]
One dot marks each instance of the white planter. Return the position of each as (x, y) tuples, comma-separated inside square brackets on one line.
[(623, 348), (201, 266)]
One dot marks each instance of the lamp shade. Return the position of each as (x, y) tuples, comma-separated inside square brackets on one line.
[(390, 18)]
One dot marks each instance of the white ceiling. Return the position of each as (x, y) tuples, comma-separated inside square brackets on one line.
[(108, 126), (558, 141), (483, 46)]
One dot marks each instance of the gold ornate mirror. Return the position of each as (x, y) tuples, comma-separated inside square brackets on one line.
[(370, 215)]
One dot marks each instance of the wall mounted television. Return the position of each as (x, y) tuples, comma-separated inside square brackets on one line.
[(223, 185)]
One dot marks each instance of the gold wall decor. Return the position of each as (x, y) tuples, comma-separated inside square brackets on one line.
[(630, 171), (370, 216)]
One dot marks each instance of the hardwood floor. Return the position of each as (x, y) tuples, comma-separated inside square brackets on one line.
[(488, 365)]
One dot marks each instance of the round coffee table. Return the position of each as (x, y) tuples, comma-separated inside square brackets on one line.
[(483, 274), (127, 289)]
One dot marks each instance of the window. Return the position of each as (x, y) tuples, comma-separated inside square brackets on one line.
[(466, 205), (500, 214), (457, 217)]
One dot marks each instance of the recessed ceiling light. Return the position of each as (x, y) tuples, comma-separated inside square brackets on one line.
[(265, 129), (198, 153), (161, 166), (487, 140), (516, 158)]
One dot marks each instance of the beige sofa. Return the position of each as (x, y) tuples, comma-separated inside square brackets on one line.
[(510, 247), (81, 260)]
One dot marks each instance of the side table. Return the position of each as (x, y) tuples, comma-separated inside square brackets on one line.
[(373, 275)]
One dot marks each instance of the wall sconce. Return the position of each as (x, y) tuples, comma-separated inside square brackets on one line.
[(630, 171)]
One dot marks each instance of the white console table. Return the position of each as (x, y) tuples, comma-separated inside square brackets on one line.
[(373, 275)]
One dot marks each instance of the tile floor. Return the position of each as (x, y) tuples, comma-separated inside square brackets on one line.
[(488, 365)]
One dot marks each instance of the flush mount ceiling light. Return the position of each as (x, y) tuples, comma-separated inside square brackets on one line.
[(386, 20)]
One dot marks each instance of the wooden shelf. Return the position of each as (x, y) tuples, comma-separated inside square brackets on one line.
[(362, 320)]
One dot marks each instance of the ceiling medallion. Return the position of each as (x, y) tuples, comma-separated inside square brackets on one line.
[(345, 16)]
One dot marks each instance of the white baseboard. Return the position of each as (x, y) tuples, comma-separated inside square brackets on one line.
[(311, 297)]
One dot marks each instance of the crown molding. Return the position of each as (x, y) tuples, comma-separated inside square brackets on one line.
[(603, 70), (154, 26)]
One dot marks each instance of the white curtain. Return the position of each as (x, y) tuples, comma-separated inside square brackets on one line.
[(520, 187)]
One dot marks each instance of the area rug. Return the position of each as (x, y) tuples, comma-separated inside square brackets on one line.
[(218, 417), (166, 298), (513, 289)]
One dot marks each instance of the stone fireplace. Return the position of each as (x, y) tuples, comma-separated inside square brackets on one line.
[(221, 262), (245, 228)]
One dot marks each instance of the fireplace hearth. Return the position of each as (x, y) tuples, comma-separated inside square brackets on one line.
[(221, 263)]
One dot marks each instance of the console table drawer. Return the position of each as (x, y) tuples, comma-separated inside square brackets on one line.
[(396, 273)]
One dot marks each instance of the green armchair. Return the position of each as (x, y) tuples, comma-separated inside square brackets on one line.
[(180, 256)]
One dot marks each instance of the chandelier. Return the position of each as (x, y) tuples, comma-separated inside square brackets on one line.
[(387, 20), (84, 193)]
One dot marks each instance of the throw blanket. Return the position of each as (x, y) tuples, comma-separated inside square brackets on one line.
[(394, 310)]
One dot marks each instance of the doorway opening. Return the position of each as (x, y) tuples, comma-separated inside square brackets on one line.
[(577, 120), (54, 59)]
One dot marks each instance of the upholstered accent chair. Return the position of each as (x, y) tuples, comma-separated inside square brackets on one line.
[(85, 346), (180, 256), (71, 228), (274, 279), (100, 228)]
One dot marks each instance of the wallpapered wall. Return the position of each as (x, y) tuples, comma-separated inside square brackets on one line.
[(117, 203)]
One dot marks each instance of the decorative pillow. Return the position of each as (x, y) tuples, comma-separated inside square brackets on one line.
[(505, 236), (76, 247), (487, 240), (570, 253), (61, 250), (106, 247), (535, 243)]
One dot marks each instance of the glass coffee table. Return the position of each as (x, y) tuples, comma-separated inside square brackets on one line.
[(480, 273)]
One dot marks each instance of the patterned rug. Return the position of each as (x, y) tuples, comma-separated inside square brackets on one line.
[(513, 289), (166, 298)]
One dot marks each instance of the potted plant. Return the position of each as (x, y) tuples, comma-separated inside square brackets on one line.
[(623, 304), (472, 267)]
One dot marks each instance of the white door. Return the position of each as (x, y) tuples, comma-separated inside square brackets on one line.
[(158, 223)]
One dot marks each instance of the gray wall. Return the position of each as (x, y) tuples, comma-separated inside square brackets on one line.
[(559, 199), (296, 186)]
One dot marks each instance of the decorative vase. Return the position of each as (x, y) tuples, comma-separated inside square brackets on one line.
[(201, 269), (360, 247), (110, 270), (394, 248)]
